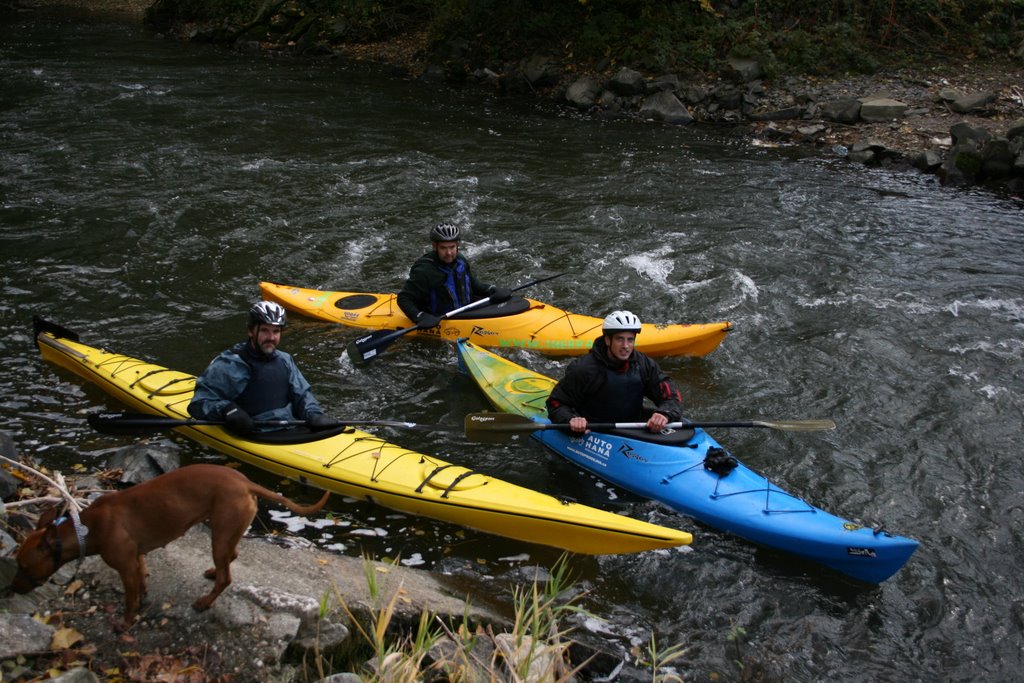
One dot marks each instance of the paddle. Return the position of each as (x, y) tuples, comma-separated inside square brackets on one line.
[(369, 347), (141, 423), (503, 427)]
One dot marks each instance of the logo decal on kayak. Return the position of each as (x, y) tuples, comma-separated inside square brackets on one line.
[(598, 447), (627, 451), (861, 552), (483, 332)]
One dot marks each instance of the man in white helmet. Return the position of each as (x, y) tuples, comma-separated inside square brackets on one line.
[(610, 383), (255, 381), (441, 281)]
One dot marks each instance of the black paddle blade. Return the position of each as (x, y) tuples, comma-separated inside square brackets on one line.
[(40, 325), (498, 427), (136, 424), (366, 348)]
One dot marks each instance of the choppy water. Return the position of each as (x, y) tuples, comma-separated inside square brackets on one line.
[(146, 187)]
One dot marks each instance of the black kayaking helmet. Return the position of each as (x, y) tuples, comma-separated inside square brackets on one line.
[(444, 232), (266, 312)]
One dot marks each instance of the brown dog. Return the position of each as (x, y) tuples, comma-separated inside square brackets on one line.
[(122, 527)]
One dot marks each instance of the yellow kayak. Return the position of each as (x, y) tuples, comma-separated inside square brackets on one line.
[(363, 466), (518, 323)]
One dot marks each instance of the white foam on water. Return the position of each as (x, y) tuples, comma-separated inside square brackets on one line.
[(296, 524), (414, 560), (655, 265), (523, 557)]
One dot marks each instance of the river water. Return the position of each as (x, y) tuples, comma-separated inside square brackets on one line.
[(147, 186)]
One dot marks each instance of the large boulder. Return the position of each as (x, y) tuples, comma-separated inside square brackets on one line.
[(997, 159), (664, 106), (962, 165)]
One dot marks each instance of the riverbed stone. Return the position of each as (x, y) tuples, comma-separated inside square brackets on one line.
[(664, 82), (962, 165), (627, 82), (541, 71), (928, 160), (964, 132), (1016, 130), (846, 110), (881, 109), (664, 106), (997, 159), (965, 104), (582, 93), (20, 634), (141, 462)]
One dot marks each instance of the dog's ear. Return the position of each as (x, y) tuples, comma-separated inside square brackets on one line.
[(46, 519)]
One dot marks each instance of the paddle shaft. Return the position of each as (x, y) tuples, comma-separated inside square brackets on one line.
[(119, 423), (504, 426), (368, 347)]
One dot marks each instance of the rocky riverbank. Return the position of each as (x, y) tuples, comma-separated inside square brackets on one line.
[(960, 121)]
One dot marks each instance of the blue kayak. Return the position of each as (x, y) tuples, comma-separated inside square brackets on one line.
[(670, 468)]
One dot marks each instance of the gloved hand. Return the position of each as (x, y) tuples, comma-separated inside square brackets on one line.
[(237, 420), (319, 421), (499, 294), (425, 321)]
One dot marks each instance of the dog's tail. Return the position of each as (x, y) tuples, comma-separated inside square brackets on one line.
[(291, 505)]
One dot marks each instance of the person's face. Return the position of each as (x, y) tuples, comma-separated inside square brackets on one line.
[(620, 345), (265, 337), (446, 251)]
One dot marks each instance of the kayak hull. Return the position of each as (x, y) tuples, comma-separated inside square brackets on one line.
[(540, 327), (365, 467), (742, 502)]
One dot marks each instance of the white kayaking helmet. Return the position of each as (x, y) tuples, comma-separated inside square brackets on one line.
[(444, 232), (266, 312), (621, 321)]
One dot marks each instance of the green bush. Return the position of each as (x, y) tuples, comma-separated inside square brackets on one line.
[(661, 35)]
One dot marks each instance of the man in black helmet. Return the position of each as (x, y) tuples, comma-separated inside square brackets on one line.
[(441, 281), (610, 383), (255, 381)]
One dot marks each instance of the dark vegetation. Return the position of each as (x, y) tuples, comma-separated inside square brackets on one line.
[(683, 36)]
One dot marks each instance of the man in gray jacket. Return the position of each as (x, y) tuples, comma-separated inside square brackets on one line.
[(255, 381)]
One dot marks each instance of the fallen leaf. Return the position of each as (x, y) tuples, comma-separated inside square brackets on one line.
[(63, 638), (74, 587)]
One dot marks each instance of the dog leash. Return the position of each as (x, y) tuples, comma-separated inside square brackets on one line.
[(81, 531)]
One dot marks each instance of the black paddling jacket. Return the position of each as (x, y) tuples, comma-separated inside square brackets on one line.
[(603, 390), (436, 288)]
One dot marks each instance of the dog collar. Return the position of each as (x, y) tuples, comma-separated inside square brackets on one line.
[(81, 531)]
